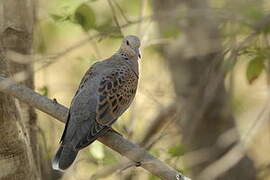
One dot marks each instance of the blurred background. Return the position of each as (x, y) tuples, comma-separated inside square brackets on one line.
[(202, 105)]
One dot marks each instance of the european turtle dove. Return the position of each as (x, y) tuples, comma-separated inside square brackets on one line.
[(105, 92)]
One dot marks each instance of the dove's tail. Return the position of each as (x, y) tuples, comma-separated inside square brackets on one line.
[(64, 158)]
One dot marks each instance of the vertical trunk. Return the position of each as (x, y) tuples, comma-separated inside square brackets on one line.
[(199, 83), (18, 147)]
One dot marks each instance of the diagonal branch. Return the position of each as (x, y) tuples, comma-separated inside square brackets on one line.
[(111, 139), (148, 140)]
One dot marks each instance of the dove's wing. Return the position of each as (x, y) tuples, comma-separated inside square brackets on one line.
[(101, 99), (86, 76), (81, 124), (115, 93)]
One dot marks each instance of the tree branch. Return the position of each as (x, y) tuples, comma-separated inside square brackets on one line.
[(147, 141), (110, 139)]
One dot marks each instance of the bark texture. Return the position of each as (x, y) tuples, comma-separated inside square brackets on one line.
[(196, 67), (18, 144)]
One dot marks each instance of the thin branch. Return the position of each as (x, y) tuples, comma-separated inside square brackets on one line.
[(121, 11), (50, 59), (114, 16), (110, 139), (258, 27), (158, 122)]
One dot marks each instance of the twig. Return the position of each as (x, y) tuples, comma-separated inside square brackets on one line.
[(121, 11), (110, 139), (50, 59), (258, 27), (158, 122), (114, 16)]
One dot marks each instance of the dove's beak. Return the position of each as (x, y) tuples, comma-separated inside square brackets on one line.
[(139, 54)]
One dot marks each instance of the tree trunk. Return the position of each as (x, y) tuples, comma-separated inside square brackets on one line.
[(18, 144), (196, 67)]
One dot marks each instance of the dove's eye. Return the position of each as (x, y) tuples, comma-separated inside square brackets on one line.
[(127, 43)]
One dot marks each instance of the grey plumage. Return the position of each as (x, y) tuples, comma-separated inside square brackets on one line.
[(105, 92)]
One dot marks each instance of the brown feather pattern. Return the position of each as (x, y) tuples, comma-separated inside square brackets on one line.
[(116, 91)]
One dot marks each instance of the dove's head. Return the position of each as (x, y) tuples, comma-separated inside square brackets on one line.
[(131, 46)]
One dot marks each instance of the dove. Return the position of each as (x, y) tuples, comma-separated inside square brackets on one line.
[(104, 94)]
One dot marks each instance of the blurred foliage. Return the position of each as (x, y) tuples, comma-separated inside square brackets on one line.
[(85, 16), (253, 10), (255, 68), (176, 150), (44, 90)]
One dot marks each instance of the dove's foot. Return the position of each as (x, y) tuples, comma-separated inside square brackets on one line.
[(138, 164)]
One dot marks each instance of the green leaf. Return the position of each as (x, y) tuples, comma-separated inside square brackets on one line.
[(85, 16), (255, 68), (177, 150), (44, 90)]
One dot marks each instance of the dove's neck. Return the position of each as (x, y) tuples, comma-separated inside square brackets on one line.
[(132, 62), (134, 65)]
